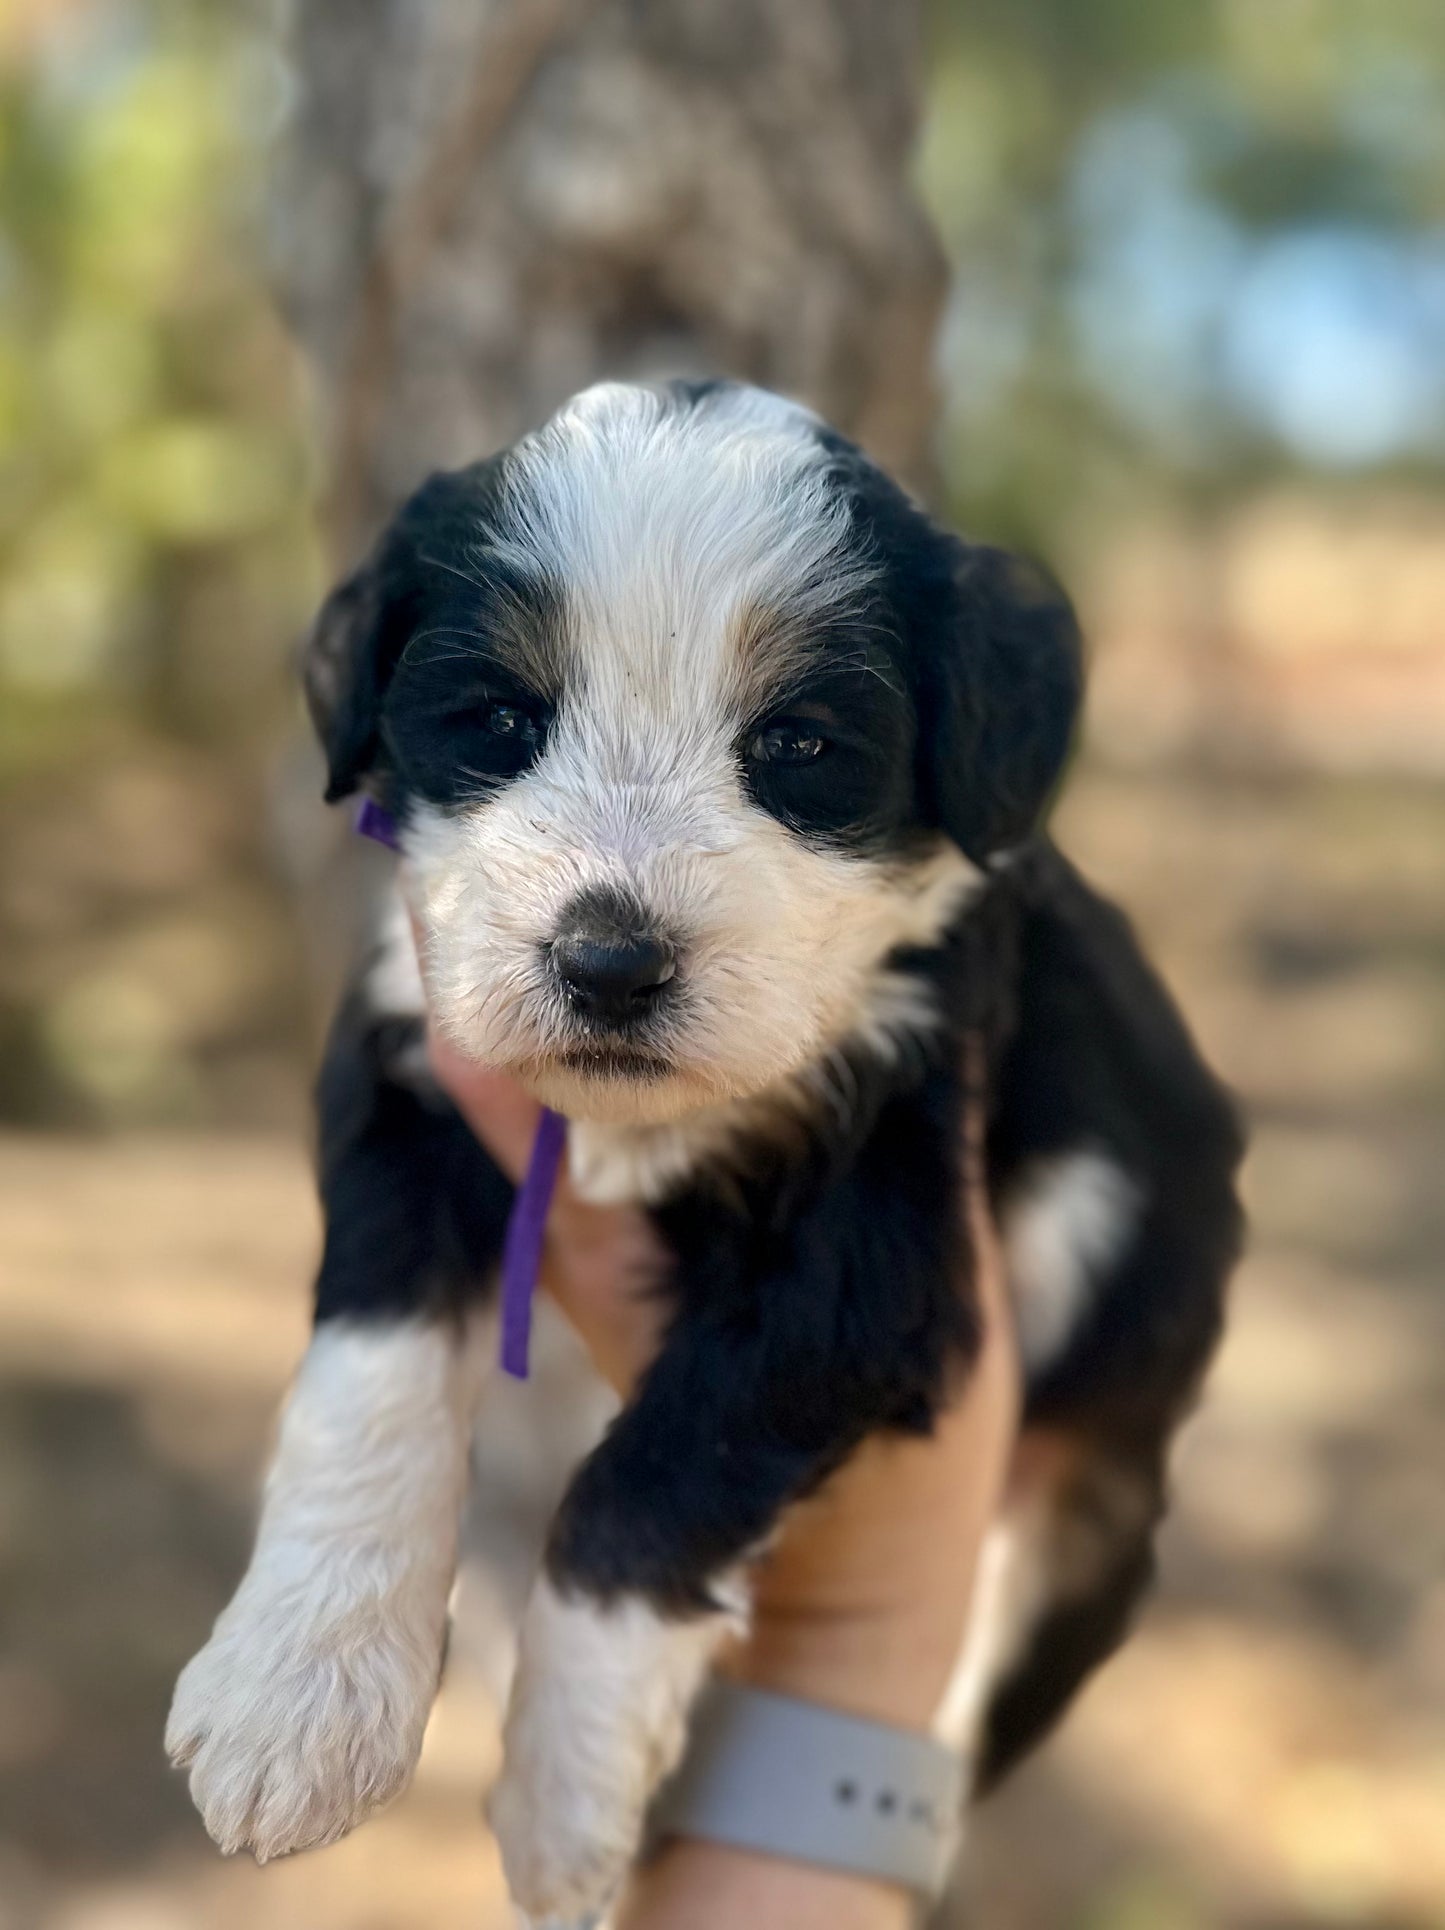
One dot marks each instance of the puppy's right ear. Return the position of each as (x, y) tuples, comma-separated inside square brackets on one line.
[(349, 658), (1004, 694), (344, 671)]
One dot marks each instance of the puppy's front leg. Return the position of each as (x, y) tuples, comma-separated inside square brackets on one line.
[(598, 1717), (765, 1384), (617, 1638), (306, 1707)]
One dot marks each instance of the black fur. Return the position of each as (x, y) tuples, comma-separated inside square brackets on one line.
[(415, 1208), (431, 594), (1074, 1635), (1101, 1057), (783, 1353), (990, 650)]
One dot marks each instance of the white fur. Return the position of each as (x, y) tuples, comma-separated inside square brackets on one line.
[(665, 526), (695, 556), (392, 986), (1010, 1589), (1068, 1221), (783, 951), (617, 1163), (306, 1708), (1053, 1544), (598, 1718), (392, 981)]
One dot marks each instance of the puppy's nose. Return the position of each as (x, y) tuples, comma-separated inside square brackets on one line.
[(612, 978)]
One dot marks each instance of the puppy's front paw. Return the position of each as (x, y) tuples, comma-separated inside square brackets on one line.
[(598, 1718), (303, 1712)]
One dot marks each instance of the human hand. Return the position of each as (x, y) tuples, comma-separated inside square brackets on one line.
[(863, 1603)]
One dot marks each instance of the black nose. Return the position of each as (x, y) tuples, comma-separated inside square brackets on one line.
[(612, 978)]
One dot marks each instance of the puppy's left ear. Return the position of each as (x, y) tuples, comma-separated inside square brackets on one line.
[(1002, 701)]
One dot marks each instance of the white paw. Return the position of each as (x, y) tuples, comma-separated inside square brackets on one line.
[(598, 1718), (301, 1715)]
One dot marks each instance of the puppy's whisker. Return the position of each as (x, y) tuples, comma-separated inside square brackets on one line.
[(448, 630), (452, 569)]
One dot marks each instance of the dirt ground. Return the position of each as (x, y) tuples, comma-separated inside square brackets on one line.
[(1268, 1754)]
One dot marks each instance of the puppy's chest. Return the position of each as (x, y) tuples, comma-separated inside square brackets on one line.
[(913, 1031), (611, 1165)]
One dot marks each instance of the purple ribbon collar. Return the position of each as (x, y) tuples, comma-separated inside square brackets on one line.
[(527, 1225)]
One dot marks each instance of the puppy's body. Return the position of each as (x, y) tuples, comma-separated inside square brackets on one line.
[(719, 770)]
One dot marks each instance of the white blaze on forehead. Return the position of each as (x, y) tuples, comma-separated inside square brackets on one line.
[(666, 526)]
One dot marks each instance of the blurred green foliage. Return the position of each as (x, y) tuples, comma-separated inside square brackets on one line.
[(156, 561), (152, 480), (1198, 244)]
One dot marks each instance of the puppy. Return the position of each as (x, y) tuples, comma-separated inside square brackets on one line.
[(719, 770)]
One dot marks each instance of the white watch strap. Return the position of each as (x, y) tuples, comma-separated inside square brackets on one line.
[(797, 1780)]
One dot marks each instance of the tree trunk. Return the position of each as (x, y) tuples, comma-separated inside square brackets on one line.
[(487, 204)]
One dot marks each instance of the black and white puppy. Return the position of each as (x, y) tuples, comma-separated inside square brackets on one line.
[(719, 769)]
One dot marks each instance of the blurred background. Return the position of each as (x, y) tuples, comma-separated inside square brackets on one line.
[(1158, 293)]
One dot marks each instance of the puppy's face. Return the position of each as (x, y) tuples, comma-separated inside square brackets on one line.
[(673, 702)]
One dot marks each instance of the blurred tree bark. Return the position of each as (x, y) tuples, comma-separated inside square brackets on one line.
[(486, 204)]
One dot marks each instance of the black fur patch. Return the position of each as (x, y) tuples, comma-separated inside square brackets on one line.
[(415, 1208), (1075, 1635), (410, 652), (815, 1300), (989, 648), (1101, 1059)]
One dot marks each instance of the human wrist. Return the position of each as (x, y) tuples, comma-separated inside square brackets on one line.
[(712, 1886)]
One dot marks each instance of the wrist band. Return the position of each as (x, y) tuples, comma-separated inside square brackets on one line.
[(793, 1779)]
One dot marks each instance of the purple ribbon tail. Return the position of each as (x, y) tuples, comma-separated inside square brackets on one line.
[(372, 821), (526, 1233)]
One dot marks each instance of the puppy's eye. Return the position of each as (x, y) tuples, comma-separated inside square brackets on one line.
[(785, 743), (512, 722)]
